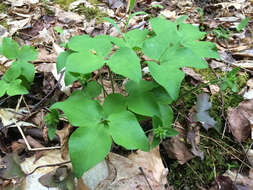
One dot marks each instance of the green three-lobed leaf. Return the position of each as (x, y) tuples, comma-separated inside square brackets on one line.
[(175, 46), (21, 72), (98, 125)]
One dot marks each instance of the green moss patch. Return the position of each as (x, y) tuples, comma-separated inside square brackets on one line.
[(91, 13)]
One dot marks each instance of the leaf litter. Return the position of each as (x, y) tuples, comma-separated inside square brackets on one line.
[(26, 19)]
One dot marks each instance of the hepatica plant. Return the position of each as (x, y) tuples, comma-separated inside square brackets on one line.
[(168, 47), (20, 74)]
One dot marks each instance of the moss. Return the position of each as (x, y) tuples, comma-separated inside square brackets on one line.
[(64, 3), (4, 23), (200, 173), (91, 13), (3, 7), (88, 12)]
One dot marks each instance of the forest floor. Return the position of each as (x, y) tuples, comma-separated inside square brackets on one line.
[(219, 156)]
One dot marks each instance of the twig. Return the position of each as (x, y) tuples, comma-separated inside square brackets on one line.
[(27, 143), (2, 101), (226, 150), (142, 172), (102, 85), (48, 165), (44, 99), (238, 171)]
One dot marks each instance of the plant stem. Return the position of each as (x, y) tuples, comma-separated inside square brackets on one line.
[(102, 84), (111, 79)]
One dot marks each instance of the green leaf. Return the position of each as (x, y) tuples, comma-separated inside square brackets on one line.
[(125, 62), (84, 62), (127, 132), (157, 6), (185, 57), (143, 103), (61, 60), (142, 86), (230, 80), (69, 77), (27, 70), (114, 103), (12, 73), (117, 41), (27, 53), (168, 77), (93, 89), (90, 55), (99, 45), (160, 25), (203, 49), (161, 47), (58, 29), (181, 19), (166, 114), (242, 24), (10, 48), (188, 32), (131, 7), (155, 142), (15, 88), (147, 99), (3, 87), (172, 132), (88, 146), (51, 120), (161, 95), (80, 109), (135, 38)]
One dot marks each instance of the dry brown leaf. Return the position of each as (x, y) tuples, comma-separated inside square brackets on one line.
[(151, 163), (50, 157), (240, 179), (223, 183), (192, 73), (81, 185), (240, 119), (126, 173), (64, 137), (176, 147)]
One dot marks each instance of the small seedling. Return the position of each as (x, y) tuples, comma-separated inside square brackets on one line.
[(21, 73), (242, 24), (221, 33), (230, 80), (58, 29)]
